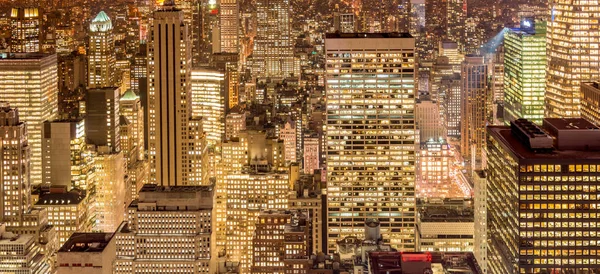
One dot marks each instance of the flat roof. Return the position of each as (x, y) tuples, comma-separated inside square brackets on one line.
[(570, 124), (521, 151), (174, 189), (86, 242), (69, 198), (368, 35), (595, 85)]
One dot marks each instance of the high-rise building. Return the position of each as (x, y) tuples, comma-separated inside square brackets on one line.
[(169, 229), (344, 22), (427, 120), (208, 103), (92, 253), (29, 83), (358, 158), (249, 193), (311, 153), (68, 211), (524, 73), (110, 190), (14, 156), (130, 106), (25, 30), (273, 54), (475, 107), (139, 72), (20, 254), (308, 196), (102, 117), (229, 25), (235, 121), (455, 28), (480, 244), (175, 141), (66, 160), (572, 54), (590, 102), (542, 204), (101, 53), (277, 233), (451, 108), (417, 17), (288, 135), (445, 227)]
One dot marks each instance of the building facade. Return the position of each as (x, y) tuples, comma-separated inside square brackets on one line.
[(101, 53), (371, 135), (35, 97), (208, 103)]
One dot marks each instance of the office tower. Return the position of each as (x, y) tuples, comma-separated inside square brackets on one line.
[(451, 50), (68, 211), (174, 156), (145, 242), (262, 190), (427, 120), (311, 153), (277, 233), (273, 49), (308, 196), (92, 253), (228, 63), (451, 88), (102, 117), (572, 54), (14, 154), (110, 190), (127, 141), (480, 244), (288, 135), (130, 106), (101, 53), (455, 28), (497, 62), (435, 161), (229, 25), (25, 30), (344, 22), (541, 197), (208, 102), (235, 121), (29, 83), (445, 227), (590, 102), (524, 73), (417, 17), (375, 115), (66, 160), (72, 71), (20, 254), (139, 71), (475, 107)]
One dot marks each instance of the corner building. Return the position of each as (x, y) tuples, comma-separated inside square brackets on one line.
[(542, 197), (370, 139)]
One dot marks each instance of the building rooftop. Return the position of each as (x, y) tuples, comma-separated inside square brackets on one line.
[(368, 35), (9, 238), (24, 56), (173, 189), (87, 242), (101, 23), (72, 197), (572, 139), (595, 85)]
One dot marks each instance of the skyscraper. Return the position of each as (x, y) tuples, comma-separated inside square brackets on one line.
[(174, 141), (572, 54), (542, 201), (455, 26), (101, 53), (102, 120), (130, 106), (370, 135), (29, 83), (66, 160), (25, 30), (590, 102), (273, 53), (452, 105), (14, 156), (229, 25), (208, 103), (475, 107), (524, 71)]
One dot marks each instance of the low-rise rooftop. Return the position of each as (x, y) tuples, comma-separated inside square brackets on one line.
[(87, 242)]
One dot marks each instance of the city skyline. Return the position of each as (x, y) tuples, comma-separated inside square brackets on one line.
[(300, 137)]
